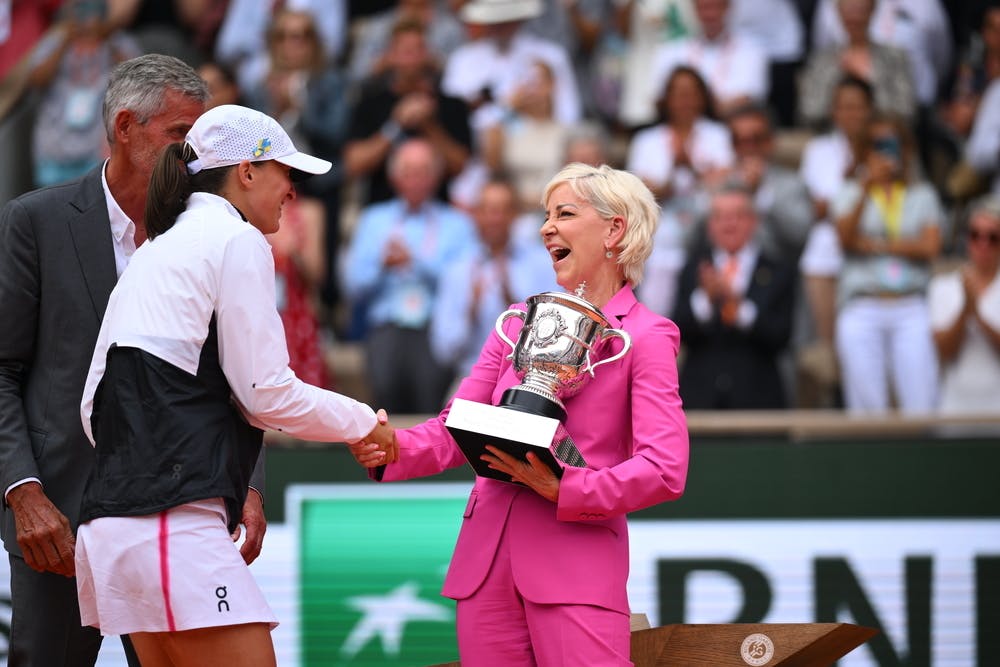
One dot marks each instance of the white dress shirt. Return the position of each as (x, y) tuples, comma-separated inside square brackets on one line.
[(213, 262), (122, 227)]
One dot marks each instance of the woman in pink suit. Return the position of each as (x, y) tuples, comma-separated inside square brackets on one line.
[(540, 570)]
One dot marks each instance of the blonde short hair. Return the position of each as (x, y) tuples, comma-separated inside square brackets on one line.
[(615, 192)]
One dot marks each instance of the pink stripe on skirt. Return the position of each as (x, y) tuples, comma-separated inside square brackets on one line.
[(165, 571)]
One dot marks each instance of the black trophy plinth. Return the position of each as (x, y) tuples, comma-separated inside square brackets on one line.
[(511, 428)]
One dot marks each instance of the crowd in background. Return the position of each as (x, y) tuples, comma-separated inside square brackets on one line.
[(828, 173)]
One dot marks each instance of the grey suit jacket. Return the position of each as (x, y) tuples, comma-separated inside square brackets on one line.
[(57, 270), (787, 212)]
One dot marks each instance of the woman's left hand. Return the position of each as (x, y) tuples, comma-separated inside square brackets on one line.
[(532, 473)]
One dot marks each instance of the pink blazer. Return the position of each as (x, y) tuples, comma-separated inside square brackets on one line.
[(629, 426)]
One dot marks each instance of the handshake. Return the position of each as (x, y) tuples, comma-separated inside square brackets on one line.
[(378, 447)]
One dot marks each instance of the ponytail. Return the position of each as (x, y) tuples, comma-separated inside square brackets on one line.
[(169, 188), (171, 184)]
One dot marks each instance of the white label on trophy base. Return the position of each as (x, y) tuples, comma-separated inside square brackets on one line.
[(500, 422)]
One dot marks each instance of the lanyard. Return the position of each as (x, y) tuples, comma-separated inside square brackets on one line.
[(890, 207)]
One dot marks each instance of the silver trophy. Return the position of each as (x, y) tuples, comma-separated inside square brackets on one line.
[(554, 355)]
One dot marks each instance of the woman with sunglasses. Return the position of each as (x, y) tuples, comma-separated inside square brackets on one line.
[(888, 225), (965, 317)]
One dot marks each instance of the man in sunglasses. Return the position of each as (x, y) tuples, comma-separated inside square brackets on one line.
[(780, 195)]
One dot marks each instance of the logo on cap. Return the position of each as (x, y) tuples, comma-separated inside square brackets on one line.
[(263, 146)]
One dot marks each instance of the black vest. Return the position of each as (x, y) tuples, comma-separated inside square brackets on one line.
[(166, 437)]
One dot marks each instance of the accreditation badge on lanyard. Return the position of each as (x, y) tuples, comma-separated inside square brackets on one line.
[(893, 271), (81, 108), (413, 305)]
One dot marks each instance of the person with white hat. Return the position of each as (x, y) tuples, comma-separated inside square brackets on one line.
[(191, 358), (486, 72)]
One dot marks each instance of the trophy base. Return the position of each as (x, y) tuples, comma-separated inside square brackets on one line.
[(523, 400), (476, 425)]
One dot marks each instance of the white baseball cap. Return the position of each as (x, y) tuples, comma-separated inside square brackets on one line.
[(228, 134)]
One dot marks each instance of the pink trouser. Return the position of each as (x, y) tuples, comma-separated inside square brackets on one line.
[(499, 628)]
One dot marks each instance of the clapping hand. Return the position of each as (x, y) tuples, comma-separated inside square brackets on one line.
[(415, 111), (857, 62), (378, 447), (397, 254), (713, 283)]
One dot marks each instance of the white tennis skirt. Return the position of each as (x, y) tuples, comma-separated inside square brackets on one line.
[(175, 570)]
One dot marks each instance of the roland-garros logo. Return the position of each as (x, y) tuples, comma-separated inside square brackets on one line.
[(757, 649)]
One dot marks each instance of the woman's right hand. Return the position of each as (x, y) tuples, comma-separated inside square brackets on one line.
[(378, 447), (368, 454)]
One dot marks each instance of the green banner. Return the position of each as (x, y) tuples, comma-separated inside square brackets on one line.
[(372, 566)]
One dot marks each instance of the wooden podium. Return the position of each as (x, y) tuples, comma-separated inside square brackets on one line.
[(740, 645)]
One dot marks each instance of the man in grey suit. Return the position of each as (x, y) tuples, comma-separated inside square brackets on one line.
[(61, 251), (781, 198)]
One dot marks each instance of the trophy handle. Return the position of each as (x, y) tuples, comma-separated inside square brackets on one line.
[(504, 316), (608, 333)]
